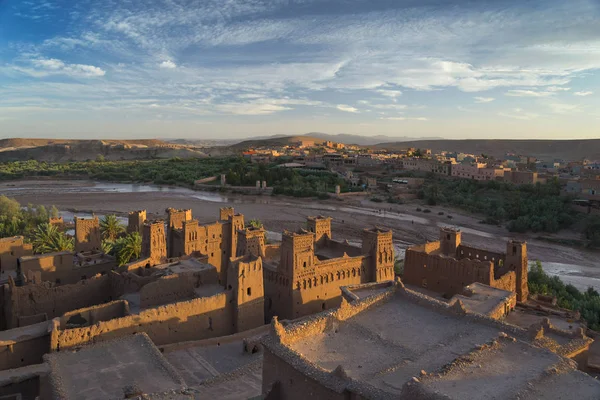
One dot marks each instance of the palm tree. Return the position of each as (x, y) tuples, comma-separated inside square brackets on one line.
[(110, 227), (47, 239), (128, 248)]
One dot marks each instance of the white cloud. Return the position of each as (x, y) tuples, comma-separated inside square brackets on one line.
[(518, 113), (389, 93), (484, 99), (42, 67), (168, 64), (557, 89), (588, 93), (527, 93), (389, 106), (346, 108)]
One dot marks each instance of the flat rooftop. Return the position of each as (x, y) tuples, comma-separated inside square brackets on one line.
[(388, 344), (220, 368), (188, 265), (103, 370), (483, 299)]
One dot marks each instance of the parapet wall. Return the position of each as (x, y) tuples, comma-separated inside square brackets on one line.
[(443, 274), (172, 288), (54, 301), (195, 319), (92, 315)]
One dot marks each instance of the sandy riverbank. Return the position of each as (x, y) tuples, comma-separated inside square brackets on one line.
[(279, 213)]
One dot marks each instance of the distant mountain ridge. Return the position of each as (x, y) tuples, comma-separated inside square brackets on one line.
[(573, 149)]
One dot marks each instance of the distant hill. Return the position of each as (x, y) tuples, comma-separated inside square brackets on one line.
[(365, 140), (63, 150), (274, 141), (318, 137), (542, 149)]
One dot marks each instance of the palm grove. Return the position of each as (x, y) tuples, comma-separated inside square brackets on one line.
[(32, 223)]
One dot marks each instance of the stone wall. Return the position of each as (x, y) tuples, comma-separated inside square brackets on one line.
[(190, 320)]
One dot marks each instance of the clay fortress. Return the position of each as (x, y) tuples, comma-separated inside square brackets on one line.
[(211, 310)]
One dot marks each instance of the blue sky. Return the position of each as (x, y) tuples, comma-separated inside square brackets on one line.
[(237, 68)]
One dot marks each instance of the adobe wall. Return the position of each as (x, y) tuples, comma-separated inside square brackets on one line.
[(507, 281), (172, 288), (479, 254), (135, 221), (28, 387), (245, 280), (54, 301), (291, 384), (11, 249), (87, 234), (94, 314), (65, 268), (195, 319), (352, 251), (154, 243), (444, 274), (25, 347), (278, 294), (319, 289)]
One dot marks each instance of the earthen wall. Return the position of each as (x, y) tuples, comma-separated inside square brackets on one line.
[(479, 254), (87, 234), (10, 250), (65, 268), (291, 384), (445, 275), (54, 301), (170, 289), (24, 352), (190, 320)]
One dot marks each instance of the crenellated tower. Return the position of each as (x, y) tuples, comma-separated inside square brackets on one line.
[(245, 281), (378, 244), (320, 226), (516, 260)]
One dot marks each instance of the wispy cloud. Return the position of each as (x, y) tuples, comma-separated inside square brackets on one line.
[(484, 99), (42, 67), (517, 113), (585, 93), (527, 93), (347, 108)]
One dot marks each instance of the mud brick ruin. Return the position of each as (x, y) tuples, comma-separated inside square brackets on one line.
[(447, 266), (190, 318)]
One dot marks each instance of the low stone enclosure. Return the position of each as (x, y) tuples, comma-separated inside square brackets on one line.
[(399, 343)]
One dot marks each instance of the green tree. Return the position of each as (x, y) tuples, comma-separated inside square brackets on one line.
[(255, 223), (128, 248), (111, 228), (9, 208), (54, 213), (47, 239)]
